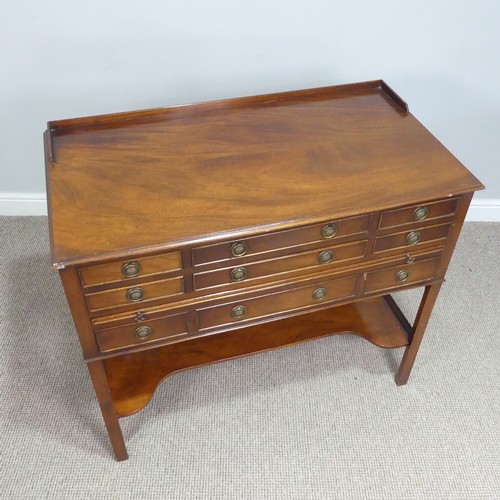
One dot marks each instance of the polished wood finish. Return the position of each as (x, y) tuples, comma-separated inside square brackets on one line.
[(309, 150), (430, 296), (208, 298), (269, 304), (434, 234), (387, 279), (424, 312), (134, 378), (190, 235), (112, 272), (300, 263), (78, 307), (108, 408), (283, 239), (119, 337), (407, 216), (118, 296)]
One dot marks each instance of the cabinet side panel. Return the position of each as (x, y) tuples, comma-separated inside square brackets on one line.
[(456, 227), (76, 301)]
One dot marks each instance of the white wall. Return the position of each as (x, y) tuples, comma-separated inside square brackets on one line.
[(65, 58)]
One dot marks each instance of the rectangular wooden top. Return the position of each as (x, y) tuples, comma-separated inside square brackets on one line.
[(131, 182)]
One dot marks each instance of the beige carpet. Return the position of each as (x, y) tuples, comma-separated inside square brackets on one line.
[(317, 421)]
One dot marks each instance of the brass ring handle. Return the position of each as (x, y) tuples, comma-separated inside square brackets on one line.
[(238, 312), (413, 237), (319, 294), (325, 257), (131, 269), (238, 273), (329, 231), (239, 249), (420, 213), (135, 294), (143, 332), (402, 275)]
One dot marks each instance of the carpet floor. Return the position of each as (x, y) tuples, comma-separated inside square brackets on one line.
[(319, 420)]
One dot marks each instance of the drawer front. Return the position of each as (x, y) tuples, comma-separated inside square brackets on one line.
[(141, 333), (310, 296), (136, 294), (236, 249), (412, 238), (114, 272), (418, 213), (324, 258), (399, 276)]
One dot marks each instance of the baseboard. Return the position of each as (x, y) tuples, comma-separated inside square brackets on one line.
[(484, 210), (23, 204)]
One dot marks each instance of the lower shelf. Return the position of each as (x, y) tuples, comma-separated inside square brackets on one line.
[(133, 378)]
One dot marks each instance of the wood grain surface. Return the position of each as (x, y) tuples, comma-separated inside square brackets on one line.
[(193, 173), (133, 378), (194, 234)]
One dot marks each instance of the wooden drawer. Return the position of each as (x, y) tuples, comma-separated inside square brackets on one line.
[(131, 294), (299, 262), (113, 272), (281, 239), (281, 302), (431, 234), (418, 213), (399, 276), (146, 332)]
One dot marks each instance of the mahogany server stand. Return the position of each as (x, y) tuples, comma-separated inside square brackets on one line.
[(194, 234)]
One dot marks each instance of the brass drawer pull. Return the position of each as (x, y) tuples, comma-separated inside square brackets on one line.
[(319, 294), (329, 231), (131, 269), (325, 257), (239, 249), (135, 294), (143, 332), (238, 273), (402, 275), (420, 213), (238, 312), (413, 237)]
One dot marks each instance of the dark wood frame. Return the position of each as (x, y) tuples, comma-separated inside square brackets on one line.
[(222, 347), (125, 378)]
